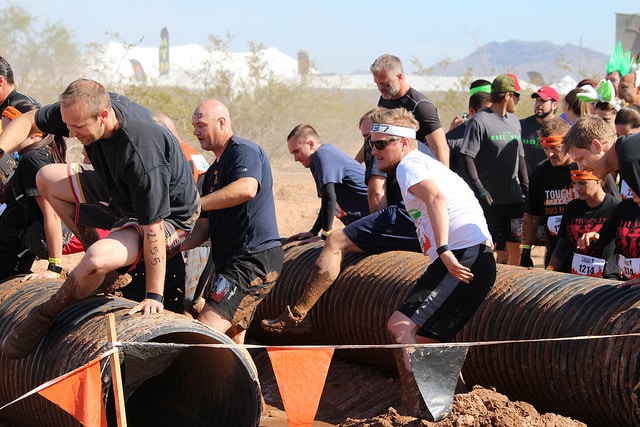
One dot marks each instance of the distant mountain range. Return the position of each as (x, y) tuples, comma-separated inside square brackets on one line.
[(550, 61)]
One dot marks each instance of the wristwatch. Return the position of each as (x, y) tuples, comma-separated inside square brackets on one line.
[(53, 267), (155, 297)]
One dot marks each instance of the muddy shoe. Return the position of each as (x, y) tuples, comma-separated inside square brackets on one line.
[(24, 337), (289, 322)]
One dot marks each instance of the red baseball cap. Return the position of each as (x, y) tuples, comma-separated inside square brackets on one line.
[(546, 93)]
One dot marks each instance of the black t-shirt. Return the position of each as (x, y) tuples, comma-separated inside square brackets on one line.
[(14, 97), (141, 164), (533, 151), (23, 183), (628, 149), (580, 218), (624, 226), (455, 138), (250, 227), (422, 108), (22, 187), (550, 190)]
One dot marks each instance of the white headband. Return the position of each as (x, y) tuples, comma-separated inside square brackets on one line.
[(393, 130)]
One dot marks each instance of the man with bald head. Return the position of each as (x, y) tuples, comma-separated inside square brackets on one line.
[(239, 217)]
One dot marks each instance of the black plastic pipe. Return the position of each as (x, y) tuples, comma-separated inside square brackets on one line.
[(592, 380), (200, 386)]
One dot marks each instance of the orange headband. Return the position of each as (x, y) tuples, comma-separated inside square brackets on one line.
[(11, 113), (551, 141), (577, 175)]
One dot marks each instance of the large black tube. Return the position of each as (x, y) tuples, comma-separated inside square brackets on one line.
[(202, 386), (596, 381)]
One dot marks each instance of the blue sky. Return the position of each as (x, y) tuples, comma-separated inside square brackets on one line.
[(343, 36)]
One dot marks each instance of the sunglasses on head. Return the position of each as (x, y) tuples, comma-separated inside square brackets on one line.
[(381, 144)]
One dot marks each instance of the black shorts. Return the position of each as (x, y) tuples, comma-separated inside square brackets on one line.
[(389, 229), (505, 222), (440, 304), (238, 288)]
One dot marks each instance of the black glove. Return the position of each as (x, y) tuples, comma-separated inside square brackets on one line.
[(485, 197), (525, 258)]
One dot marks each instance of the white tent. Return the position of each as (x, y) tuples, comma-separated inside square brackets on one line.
[(186, 64)]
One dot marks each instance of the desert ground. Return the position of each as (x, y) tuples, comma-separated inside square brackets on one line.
[(355, 395)]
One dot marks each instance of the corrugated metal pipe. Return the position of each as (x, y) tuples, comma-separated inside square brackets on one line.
[(593, 380), (199, 387)]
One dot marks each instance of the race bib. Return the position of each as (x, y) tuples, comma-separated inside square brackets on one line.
[(553, 224), (586, 265), (625, 190), (200, 163), (630, 267)]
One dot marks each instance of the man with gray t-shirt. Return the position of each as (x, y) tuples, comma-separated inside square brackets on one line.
[(493, 159)]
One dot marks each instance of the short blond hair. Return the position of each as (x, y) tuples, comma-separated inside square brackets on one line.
[(585, 130), (396, 117), (89, 92)]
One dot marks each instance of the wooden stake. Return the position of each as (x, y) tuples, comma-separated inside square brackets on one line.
[(116, 378)]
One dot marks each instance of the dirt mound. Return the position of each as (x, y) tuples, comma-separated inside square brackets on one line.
[(479, 407)]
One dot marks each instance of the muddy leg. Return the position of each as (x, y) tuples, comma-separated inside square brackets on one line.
[(24, 337)]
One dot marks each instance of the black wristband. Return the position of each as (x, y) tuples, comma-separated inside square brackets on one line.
[(525, 252), (441, 249), (54, 268), (155, 297)]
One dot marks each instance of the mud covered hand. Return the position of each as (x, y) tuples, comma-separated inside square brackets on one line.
[(456, 269), (305, 235), (147, 306)]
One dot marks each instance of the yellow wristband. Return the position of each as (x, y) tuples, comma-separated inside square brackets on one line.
[(525, 246), (55, 261)]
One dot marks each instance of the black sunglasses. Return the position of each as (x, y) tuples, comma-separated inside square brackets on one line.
[(381, 144)]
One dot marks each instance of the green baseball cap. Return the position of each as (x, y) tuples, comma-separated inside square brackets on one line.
[(505, 83)]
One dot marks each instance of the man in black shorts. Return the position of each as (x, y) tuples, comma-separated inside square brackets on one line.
[(139, 186), (389, 227), (455, 236), (239, 217)]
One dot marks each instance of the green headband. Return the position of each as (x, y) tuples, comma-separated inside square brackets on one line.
[(484, 88)]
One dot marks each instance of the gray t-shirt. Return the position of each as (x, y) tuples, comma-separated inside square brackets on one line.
[(495, 144)]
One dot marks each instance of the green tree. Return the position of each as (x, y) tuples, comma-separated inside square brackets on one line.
[(44, 56)]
